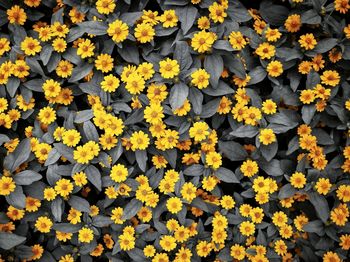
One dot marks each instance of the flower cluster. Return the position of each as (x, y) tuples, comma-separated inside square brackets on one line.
[(174, 130)]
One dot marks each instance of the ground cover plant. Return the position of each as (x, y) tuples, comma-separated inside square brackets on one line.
[(174, 130)]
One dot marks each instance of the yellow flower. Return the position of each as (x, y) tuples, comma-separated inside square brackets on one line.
[(293, 23), (213, 159), (135, 84), (80, 179), (42, 151), (237, 40), (279, 218), (126, 241), (267, 136), (110, 83), (183, 254), (252, 115), (199, 131), (257, 215), (330, 77), (64, 69), (200, 78), (49, 194), (188, 191), (30, 46), (265, 51), (7, 185), (16, 15), (272, 35), (203, 41), (269, 107), (51, 88), (169, 68), (45, 33), (345, 242), (82, 154), (63, 187), (32, 204), (209, 183), (118, 31), (174, 205), (150, 17), (227, 202), (47, 115), (105, 6), (144, 33), (139, 141), (286, 231), (71, 137), (247, 228), (59, 30), (168, 243), (74, 216), (43, 224), (153, 113), (86, 48), (169, 18), (342, 6), (217, 13), (104, 62), (323, 185), (203, 23), (300, 221), (59, 45), (4, 45), (75, 16), (343, 193), (85, 235), (298, 180), (146, 70), (307, 41), (275, 68), (32, 3), (307, 96), (66, 258), (37, 251), (346, 31), (119, 173), (237, 252), (203, 248), (249, 168)]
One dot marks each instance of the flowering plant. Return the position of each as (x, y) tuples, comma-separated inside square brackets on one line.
[(174, 130)]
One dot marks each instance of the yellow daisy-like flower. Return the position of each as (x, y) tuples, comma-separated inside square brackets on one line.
[(174, 205), (85, 235), (144, 33), (16, 15), (307, 41), (267, 136), (169, 18), (7, 185), (110, 83), (118, 30), (298, 180), (237, 40), (105, 6), (30, 46), (47, 115), (274, 68), (200, 78), (203, 41), (86, 48), (104, 62), (139, 141), (43, 224), (169, 68)]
